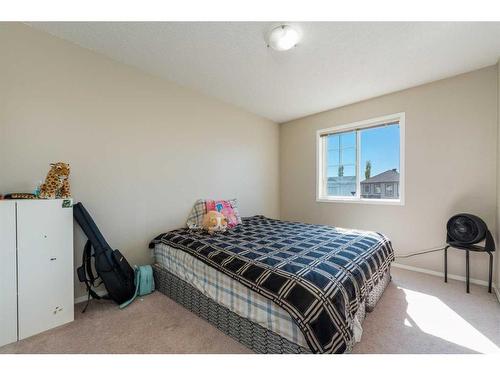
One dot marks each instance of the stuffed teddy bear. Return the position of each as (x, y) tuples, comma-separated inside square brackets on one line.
[(214, 221)]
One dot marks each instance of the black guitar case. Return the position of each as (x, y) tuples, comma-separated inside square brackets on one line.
[(111, 266)]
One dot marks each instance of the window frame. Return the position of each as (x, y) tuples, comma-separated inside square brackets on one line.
[(354, 126)]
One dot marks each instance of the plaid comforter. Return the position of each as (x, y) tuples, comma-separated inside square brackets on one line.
[(319, 274)]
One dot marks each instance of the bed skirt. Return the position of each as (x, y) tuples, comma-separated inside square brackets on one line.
[(378, 290), (248, 333)]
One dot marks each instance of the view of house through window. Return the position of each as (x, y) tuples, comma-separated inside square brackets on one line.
[(363, 163), (380, 162), (341, 164)]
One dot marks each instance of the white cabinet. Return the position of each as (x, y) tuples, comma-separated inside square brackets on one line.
[(8, 273), (43, 233), (45, 265)]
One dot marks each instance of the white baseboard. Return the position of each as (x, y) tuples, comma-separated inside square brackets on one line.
[(81, 299), (397, 265), (497, 292), (450, 276), (394, 264), (438, 273)]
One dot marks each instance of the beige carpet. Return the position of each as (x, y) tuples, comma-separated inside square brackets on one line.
[(417, 314)]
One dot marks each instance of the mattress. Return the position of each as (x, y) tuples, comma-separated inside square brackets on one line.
[(308, 283)]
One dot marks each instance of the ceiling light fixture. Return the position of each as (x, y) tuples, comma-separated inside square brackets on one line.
[(282, 38)]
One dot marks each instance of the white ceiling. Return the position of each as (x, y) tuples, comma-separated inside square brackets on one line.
[(333, 65)]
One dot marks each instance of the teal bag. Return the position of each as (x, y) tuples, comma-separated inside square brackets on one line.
[(144, 283)]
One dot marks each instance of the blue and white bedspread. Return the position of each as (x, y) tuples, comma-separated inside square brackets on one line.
[(318, 274)]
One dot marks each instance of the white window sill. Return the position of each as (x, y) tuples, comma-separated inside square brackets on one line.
[(388, 202)]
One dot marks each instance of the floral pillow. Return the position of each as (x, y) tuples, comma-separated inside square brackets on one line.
[(226, 209), (234, 204)]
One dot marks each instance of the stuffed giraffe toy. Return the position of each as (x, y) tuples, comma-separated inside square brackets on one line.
[(56, 183)]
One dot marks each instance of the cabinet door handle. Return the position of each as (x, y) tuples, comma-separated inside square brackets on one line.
[(57, 310), (53, 258)]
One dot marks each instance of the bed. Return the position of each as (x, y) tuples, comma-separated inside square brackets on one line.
[(277, 286)]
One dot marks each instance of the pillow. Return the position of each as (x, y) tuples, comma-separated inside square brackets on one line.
[(195, 218), (234, 204), (225, 208)]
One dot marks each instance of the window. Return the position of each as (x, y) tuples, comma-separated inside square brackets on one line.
[(355, 156), (389, 190), (341, 164)]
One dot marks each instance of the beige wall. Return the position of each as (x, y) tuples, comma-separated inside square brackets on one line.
[(142, 150), (451, 141), (136, 146), (498, 182)]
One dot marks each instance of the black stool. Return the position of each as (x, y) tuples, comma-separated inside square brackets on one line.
[(475, 248)]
